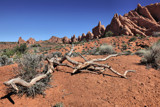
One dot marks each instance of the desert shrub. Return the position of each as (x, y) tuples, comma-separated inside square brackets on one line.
[(151, 57), (93, 51), (36, 45), (58, 105), (59, 46), (102, 50), (140, 36), (156, 34), (4, 60), (42, 49), (21, 49), (58, 54), (140, 52), (106, 49), (84, 52), (133, 39), (8, 52), (124, 46), (127, 52), (28, 67), (108, 34), (75, 54)]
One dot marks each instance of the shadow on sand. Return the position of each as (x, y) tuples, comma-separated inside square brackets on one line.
[(8, 96)]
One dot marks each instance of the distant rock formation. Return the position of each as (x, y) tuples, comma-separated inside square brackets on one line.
[(66, 40), (89, 36), (142, 20), (98, 31), (55, 39), (21, 41), (83, 36), (73, 39), (79, 38), (31, 41)]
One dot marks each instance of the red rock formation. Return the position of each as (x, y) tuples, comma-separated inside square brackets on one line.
[(89, 36), (31, 41), (66, 40), (21, 41), (54, 39), (83, 37), (79, 38), (142, 20), (73, 39), (98, 31)]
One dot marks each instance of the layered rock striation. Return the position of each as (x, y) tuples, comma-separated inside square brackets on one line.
[(143, 20)]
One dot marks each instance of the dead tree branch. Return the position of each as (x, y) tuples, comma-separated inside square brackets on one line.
[(88, 65)]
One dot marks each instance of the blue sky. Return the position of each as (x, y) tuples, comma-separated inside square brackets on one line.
[(42, 19)]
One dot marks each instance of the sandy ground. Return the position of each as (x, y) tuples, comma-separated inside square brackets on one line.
[(84, 89)]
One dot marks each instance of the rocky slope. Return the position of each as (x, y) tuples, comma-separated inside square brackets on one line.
[(143, 20)]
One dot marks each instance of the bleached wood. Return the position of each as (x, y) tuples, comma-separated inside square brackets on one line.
[(79, 66), (20, 81)]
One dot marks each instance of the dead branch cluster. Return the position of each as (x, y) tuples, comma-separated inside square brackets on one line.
[(87, 65)]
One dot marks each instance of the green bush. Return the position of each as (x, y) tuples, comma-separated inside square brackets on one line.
[(8, 52), (19, 50), (108, 34), (36, 45)]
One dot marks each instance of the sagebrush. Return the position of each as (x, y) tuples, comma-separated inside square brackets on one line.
[(151, 57), (29, 67)]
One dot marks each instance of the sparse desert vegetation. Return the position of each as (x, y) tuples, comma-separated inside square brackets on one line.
[(113, 66), (31, 64), (151, 57)]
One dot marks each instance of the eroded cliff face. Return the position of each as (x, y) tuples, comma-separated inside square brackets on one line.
[(142, 20)]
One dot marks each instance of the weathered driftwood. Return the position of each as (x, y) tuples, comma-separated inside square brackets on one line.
[(88, 65)]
